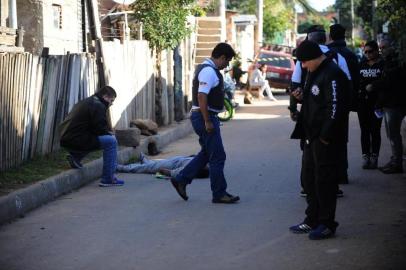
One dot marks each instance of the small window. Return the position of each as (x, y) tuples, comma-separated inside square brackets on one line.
[(57, 16)]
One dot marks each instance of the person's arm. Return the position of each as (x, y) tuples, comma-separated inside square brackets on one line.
[(334, 109), (202, 99), (343, 65), (297, 73), (98, 120)]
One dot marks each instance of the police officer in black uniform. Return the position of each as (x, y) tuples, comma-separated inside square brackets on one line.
[(324, 107)]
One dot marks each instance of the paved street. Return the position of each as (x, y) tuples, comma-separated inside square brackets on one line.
[(146, 226)]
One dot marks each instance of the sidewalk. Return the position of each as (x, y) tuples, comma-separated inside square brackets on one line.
[(18, 203)]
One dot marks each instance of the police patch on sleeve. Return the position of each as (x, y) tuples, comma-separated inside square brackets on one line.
[(315, 90)]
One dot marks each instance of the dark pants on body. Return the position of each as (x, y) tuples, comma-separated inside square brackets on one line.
[(393, 121), (212, 152), (370, 129), (321, 183)]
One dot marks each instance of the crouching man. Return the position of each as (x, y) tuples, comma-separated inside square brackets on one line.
[(86, 128)]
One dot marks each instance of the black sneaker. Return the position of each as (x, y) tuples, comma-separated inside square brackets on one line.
[(366, 162), (74, 164), (340, 193), (303, 193), (228, 198), (300, 228), (321, 232), (180, 189), (392, 169), (373, 161)]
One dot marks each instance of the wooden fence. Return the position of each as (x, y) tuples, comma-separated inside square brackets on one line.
[(36, 93)]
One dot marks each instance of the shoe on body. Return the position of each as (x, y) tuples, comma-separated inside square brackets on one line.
[(180, 189), (373, 161), (340, 193), (321, 232), (366, 162), (227, 199), (115, 183), (303, 193), (301, 228), (392, 169), (73, 162)]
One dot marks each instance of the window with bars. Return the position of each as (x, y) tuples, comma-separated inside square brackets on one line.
[(57, 16)]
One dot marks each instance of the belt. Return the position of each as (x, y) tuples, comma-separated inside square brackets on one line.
[(198, 110)]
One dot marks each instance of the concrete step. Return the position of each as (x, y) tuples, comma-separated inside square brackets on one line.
[(204, 38), (200, 59), (204, 52), (206, 45), (209, 31), (212, 23)]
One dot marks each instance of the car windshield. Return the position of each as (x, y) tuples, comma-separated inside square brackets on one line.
[(274, 60)]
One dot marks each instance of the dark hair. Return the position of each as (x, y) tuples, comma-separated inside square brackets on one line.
[(372, 44), (106, 90), (337, 31), (223, 49), (262, 65), (318, 37)]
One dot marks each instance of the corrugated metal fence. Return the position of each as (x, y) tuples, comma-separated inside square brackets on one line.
[(35, 94)]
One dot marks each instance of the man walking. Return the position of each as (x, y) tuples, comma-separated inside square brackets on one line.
[(208, 98), (324, 104), (87, 128)]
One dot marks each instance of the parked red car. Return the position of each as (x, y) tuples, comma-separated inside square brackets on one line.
[(280, 68)]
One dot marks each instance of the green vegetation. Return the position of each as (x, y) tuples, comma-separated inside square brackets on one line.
[(37, 169), (394, 12), (278, 14)]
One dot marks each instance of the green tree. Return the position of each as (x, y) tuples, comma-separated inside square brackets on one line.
[(311, 20), (164, 26), (278, 14), (394, 12)]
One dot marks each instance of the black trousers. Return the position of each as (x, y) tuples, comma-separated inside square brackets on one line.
[(370, 129), (320, 179)]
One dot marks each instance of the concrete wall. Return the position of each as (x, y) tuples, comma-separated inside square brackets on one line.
[(36, 16)]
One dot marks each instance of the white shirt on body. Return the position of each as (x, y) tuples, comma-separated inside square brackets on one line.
[(207, 80)]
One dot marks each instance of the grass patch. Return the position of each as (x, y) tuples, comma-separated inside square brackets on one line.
[(37, 169)]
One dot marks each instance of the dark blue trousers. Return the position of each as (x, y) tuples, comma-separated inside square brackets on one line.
[(212, 152)]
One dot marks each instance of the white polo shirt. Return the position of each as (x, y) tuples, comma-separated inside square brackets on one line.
[(297, 72)]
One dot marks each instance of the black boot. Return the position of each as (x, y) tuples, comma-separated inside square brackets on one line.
[(366, 163)]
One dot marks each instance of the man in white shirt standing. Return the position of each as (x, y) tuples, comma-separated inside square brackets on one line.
[(207, 102)]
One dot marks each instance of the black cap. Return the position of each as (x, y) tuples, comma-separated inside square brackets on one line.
[(315, 28), (308, 50), (337, 31)]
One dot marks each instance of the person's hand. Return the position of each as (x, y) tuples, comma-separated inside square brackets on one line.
[(324, 141), (369, 88), (293, 116), (298, 93), (209, 126)]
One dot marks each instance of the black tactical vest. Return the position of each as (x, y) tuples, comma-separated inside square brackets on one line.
[(215, 99)]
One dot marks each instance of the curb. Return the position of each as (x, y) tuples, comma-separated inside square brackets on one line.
[(18, 203)]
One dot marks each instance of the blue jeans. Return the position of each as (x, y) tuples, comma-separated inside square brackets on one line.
[(109, 145), (212, 152), (393, 120)]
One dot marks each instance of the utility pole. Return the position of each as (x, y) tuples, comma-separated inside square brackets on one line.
[(352, 23), (95, 31), (260, 17), (222, 12)]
